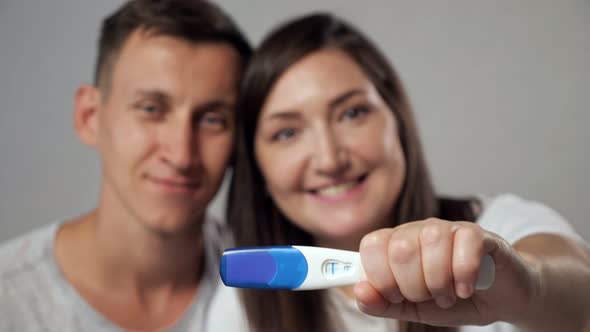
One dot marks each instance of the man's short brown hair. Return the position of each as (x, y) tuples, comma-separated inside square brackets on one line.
[(191, 20)]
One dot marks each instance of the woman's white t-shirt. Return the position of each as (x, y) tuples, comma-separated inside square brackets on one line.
[(509, 216)]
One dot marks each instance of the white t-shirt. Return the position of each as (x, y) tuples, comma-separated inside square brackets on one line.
[(507, 215), (35, 295)]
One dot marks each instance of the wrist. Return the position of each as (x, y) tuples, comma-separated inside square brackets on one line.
[(526, 312)]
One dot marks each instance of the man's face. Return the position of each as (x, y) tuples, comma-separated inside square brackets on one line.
[(165, 128)]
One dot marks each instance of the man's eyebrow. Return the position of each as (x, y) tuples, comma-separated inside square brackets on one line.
[(216, 105), (155, 94), (213, 105)]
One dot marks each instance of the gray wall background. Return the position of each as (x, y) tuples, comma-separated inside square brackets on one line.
[(501, 91)]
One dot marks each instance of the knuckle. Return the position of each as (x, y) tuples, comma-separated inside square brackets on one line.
[(471, 232), (368, 240), (376, 238), (432, 220), (401, 250), (431, 234)]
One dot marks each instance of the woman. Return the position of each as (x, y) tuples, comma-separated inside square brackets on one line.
[(328, 154)]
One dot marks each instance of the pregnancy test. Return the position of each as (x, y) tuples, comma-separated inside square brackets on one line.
[(305, 268)]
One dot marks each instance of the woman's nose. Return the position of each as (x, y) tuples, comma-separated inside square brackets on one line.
[(331, 157)]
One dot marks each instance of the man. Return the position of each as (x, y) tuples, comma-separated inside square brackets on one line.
[(160, 115)]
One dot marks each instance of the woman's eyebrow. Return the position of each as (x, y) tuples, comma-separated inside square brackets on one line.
[(283, 115), (345, 96), (335, 102)]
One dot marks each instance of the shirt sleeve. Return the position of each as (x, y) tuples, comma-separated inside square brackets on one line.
[(514, 218)]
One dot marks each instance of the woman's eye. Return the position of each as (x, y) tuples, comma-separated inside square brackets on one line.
[(355, 112), (284, 134)]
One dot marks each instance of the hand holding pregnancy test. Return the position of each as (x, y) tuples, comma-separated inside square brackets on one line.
[(305, 268)]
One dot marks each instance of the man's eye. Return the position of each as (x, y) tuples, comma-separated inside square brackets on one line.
[(213, 120), (150, 109)]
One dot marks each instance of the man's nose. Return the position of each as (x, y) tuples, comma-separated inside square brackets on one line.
[(181, 144)]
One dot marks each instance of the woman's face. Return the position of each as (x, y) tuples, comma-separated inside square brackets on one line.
[(328, 148)]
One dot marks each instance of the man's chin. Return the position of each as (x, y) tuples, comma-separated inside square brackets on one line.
[(175, 226)]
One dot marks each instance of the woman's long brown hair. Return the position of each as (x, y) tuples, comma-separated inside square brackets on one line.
[(255, 219)]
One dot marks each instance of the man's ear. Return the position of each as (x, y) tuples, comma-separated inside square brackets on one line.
[(86, 104)]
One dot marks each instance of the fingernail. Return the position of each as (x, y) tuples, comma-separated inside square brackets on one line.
[(444, 302), (362, 307), (464, 290)]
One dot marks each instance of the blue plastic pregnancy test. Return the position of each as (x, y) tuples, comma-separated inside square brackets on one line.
[(305, 268)]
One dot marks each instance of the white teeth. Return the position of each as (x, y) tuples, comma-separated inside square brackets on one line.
[(337, 189)]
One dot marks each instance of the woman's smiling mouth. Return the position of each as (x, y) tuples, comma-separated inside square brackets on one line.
[(340, 190)]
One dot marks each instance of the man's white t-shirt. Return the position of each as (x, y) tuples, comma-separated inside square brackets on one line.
[(35, 296)]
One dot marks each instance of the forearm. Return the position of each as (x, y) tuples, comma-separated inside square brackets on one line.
[(561, 301)]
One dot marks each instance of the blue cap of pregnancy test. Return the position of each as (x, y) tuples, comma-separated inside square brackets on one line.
[(263, 267)]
